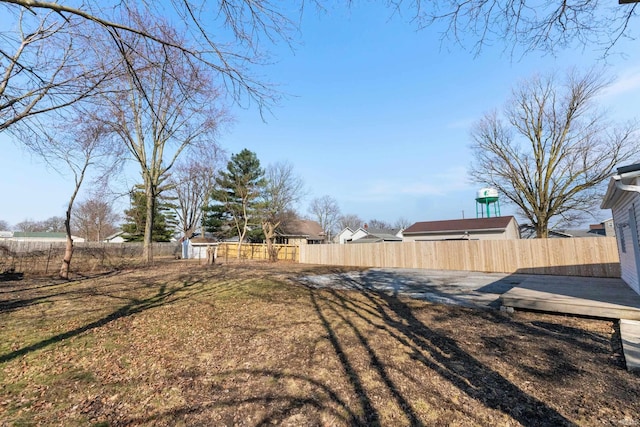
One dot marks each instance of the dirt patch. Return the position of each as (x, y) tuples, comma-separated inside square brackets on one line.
[(248, 344)]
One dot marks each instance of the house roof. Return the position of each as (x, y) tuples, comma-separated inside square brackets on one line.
[(39, 234), (460, 225), (629, 168), (114, 235), (626, 175), (302, 228), (585, 233), (528, 231), (202, 240), (381, 231), (345, 229), (374, 238)]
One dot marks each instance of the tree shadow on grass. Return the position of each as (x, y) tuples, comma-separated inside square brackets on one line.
[(435, 351), (276, 406), (133, 306)]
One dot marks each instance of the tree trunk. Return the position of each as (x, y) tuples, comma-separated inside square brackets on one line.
[(542, 230), (68, 250), (147, 249), (269, 233), (66, 261)]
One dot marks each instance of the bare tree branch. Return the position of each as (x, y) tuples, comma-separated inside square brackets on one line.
[(554, 150)]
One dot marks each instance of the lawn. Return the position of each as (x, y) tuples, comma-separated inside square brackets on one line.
[(248, 344)]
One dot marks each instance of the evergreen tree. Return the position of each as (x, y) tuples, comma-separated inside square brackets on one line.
[(234, 200), (164, 223)]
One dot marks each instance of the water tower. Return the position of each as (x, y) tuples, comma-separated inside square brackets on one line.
[(487, 197)]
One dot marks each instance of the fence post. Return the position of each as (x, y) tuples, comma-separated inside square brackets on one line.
[(46, 269)]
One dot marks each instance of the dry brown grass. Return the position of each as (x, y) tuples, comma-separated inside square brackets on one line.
[(246, 344)]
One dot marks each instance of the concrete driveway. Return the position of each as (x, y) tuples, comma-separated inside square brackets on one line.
[(470, 289)]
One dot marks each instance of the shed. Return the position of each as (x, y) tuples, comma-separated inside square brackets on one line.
[(197, 247), (623, 198), (495, 228)]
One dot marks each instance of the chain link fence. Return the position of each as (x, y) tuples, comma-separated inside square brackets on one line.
[(46, 257)]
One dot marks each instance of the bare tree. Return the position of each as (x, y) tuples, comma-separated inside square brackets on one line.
[(4, 225), (551, 149), (545, 26), (44, 61), (402, 223), (352, 221), (326, 211), (42, 64), (94, 218), (378, 224), (283, 189), (54, 224), (80, 146), (191, 184), (163, 106), (28, 225)]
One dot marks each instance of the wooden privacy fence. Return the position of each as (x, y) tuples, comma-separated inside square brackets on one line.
[(589, 257), (257, 251), (46, 257)]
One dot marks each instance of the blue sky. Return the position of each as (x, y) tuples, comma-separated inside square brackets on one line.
[(377, 116)]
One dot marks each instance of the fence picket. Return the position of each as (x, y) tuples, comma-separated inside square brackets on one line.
[(597, 257)]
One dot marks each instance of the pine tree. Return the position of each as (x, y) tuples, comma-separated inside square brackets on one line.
[(234, 200), (164, 224)]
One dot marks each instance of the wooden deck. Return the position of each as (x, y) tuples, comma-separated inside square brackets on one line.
[(605, 298)]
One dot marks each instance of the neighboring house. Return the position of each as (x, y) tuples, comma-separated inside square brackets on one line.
[(528, 231), (372, 235), (606, 225), (24, 236), (623, 198), (343, 236), (365, 234), (376, 238), (115, 238), (300, 232), (595, 230), (604, 229), (496, 228)]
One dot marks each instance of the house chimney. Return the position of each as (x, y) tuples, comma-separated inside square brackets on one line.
[(365, 226)]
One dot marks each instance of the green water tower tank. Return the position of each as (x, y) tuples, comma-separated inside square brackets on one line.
[(485, 199)]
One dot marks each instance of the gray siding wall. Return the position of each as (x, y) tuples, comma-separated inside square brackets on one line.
[(629, 202)]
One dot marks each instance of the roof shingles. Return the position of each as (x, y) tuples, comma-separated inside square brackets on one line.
[(476, 224)]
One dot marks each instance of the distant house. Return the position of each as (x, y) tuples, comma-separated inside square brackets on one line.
[(496, 228), (42, 236), (115, 237), (528, 231), (344, 235), (365, 234), (623, 198), (301, 232), (604, 229)]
